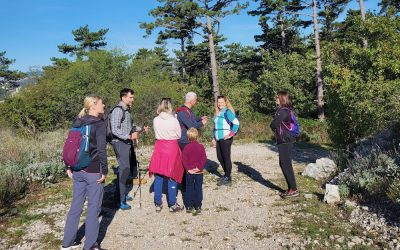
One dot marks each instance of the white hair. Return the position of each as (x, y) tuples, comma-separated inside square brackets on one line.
[(190, 96)]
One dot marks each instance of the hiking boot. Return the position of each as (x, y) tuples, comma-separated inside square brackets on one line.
[(190, 210), (128, 198), (175, 208), (158, 208), (290, 193), (124, 206), (225, 181), (136, 181)]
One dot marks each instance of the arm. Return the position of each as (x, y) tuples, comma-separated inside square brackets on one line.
[(235, 122), (178, 129), (203, 158), (185, 159), (116, 130), (280, 116), (189, 122), (102, 147)]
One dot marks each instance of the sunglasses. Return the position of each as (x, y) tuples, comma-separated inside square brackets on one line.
[(166, 99)]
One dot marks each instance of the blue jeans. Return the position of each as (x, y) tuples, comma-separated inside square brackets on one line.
[(158, 188), (194, 190), (85, 186)]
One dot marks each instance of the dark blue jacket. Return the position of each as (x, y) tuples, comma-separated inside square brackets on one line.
[(187, 119)]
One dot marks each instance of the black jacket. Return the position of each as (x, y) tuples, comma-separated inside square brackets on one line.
[(98, 144), (282, 133)]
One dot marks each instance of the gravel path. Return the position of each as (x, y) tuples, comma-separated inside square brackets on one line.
[(238, 217)]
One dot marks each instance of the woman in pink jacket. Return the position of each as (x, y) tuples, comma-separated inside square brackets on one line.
[(166, 160)]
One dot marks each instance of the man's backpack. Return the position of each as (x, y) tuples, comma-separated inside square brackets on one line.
[(294, 127), (76, 148), (107, 120)]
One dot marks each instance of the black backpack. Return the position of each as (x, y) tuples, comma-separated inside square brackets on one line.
[(107, 119)]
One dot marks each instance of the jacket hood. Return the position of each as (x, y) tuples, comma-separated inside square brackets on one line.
[(85, 120), (165, 116)]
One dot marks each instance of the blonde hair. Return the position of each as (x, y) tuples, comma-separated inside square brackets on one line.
[(193, 134), (165, 106), (89, 102), (228, 104)]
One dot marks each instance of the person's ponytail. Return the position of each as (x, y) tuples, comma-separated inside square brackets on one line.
[(82, 113)]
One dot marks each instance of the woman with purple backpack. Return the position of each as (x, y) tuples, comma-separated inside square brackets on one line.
[(285, 128)]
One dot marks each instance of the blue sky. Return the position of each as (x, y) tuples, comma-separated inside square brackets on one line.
[(31, 29)]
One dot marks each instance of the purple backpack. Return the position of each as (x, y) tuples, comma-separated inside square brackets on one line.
[(294, 128), (76, 148)]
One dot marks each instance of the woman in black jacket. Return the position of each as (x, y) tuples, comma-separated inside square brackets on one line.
[(280, 125)]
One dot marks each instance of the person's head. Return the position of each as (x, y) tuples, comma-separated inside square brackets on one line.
[(92, 105), (190, 99), (193, 134), (165, 106), (127, 96), (223, 102), (282, 99)]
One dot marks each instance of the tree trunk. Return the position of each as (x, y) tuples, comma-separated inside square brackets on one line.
[(183, 60), (213, 59), (320, 87), (362, 9), (283, 34)]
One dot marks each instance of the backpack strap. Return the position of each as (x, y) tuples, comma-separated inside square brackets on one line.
[(123, 114)]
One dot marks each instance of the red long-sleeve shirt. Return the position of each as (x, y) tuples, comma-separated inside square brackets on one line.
[(194, 156)]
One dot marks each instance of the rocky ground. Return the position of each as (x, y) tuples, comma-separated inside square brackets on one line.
[(247, 215)]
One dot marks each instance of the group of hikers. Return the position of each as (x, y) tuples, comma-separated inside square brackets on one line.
[(178, 157)]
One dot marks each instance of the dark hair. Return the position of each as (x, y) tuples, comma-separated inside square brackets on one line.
[(284, 99), (125, 91)]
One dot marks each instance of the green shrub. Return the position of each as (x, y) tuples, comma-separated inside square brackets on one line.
[(45, 172), (373, 176), (13, 183)]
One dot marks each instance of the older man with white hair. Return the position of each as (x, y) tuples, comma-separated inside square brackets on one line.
[(187, 119)]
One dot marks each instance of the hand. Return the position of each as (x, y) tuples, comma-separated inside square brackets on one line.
[(102, 179), (193, 171), (226, 137), (69, 173), (214, 142), (204, 120), (134, 136)]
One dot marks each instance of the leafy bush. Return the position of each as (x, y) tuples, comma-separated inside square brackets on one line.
[(373, 176), (45, 172), (13, 183)]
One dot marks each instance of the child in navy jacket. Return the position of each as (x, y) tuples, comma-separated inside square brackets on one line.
[(194, 159)]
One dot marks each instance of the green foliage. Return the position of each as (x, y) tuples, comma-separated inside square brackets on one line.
[(291, 72), (13, 183), (374, 176), (88, 41), (45, 172), (363, 84)]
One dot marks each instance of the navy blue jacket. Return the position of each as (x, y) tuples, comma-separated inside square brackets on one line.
[(187, 119)]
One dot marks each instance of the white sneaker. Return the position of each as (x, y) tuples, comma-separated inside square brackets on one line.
[(71, 247)]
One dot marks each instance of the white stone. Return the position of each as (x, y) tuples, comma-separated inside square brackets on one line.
[(331, 194), (321, 169)]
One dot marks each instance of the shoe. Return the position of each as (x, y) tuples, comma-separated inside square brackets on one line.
[(75, 246), (128, 198), (290, 193), (197, 210), (158, 208), (124, 206), (175, 208), (225, 181), (136, 181), (96, 247), (190, 210)]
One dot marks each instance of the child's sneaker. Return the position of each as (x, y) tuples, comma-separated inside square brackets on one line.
[(190, 210), (290, 193), (158, 208), (197, 210), (175, 208)]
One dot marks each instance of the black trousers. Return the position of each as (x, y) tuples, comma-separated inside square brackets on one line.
[(285, 162), (224, 155)]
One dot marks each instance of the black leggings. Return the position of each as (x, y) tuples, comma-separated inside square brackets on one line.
[(285, 162), (224, 155)]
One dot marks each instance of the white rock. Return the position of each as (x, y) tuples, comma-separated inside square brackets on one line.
[(321, 169), (308, 196), (331, 194)]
